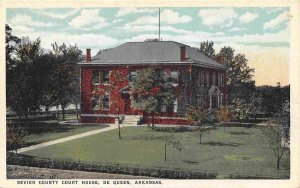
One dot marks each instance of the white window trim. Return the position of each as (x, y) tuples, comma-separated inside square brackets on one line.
[(102, 97)]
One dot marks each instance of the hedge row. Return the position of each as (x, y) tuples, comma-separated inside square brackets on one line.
[(24, 160)]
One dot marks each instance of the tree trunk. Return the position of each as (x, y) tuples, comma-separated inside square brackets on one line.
[(278, 162), (47, 110), (200, 135), (57, 114), (152, 120), (77, 114), (63, 112), (166, 151), (119, 129)]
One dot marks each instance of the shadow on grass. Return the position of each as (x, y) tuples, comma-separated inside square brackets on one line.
[(239, 133), (144, 137), (231, 144), (191, 162)]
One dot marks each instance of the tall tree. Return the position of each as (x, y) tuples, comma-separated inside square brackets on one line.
[(227, 54), (239, 75), (240, 79), (65, 75), (11, 43), (207, 48), (21, 84), (151, 92)]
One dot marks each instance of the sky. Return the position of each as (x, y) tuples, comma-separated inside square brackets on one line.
[(262, 34)]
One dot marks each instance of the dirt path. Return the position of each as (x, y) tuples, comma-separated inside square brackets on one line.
[(25, 172)]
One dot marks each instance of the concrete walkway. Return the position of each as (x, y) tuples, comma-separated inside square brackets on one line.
[(89, 133)]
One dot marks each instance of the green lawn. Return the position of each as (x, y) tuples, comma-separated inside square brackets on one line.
[(62, 132), (236, 150)]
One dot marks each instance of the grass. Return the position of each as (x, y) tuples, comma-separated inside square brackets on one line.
[(236, 150), (44, 131)]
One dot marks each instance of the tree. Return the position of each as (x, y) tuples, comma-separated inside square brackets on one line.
[(227, 54), (255, 105), (239, 79), (65, 74), (11, 43), (224, 115), (199, 117), (239, 75), (21, 85), (241, 109), (274, 133), (207, 48), (151, 92), (117, 78), (171, 140)]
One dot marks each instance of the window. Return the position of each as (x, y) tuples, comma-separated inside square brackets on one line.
[(219, 80), (175, 105), (214, 78), (174, 77), (222, 80), (132, 76), (105, 101), (200, 101), (207, 78), (202, 78), (95, 102), (105, 76), (96, 77)]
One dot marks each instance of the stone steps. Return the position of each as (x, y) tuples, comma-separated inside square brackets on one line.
[(131, 119)]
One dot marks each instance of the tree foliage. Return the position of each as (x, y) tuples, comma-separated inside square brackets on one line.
[(241, 109), (207, 48), (11, 43), (199, 117), (36, 78), (274, 133), (151, 91), (22, 90), (224, 114), (239, 75), (65, 74)]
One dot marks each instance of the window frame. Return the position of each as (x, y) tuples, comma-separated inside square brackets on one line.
[(106, 94), (175, 78), (99, 81), (103, 78), (99, 101)]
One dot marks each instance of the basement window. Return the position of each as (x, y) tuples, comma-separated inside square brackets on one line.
[(95, 102), (96, 77), (105, 101)]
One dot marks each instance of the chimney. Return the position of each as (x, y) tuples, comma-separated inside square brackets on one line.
[(88, 55), (182, 53), (220, 59)]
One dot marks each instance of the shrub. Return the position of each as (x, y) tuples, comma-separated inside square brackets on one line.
[(158, 172), (14, 137)]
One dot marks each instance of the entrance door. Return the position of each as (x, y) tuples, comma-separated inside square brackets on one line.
[(127, 106)]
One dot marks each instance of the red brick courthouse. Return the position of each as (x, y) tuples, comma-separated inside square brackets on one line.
[(198, 79)]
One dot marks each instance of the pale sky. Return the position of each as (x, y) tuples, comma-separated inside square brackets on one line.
[(262, 34)]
